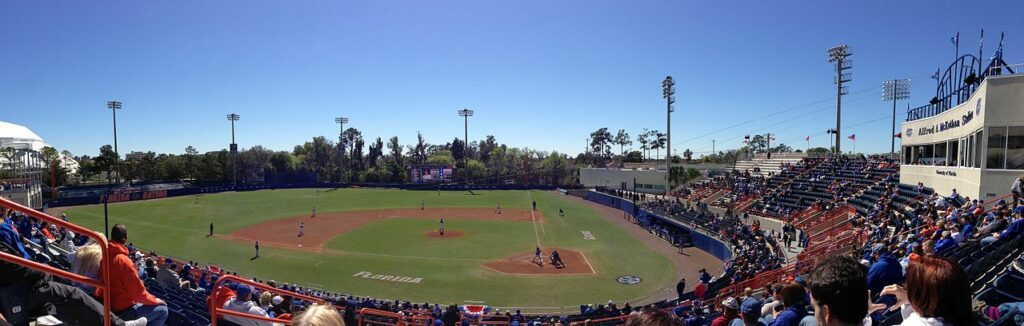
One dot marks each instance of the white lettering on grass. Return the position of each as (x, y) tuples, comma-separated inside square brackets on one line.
[(588, 236), (389, 278)]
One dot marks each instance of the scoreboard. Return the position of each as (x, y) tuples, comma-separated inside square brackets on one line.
[(431, 174)]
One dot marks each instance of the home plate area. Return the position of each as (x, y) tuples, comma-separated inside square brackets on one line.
[(575, 263)]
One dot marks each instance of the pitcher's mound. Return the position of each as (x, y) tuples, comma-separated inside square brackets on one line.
[(447, 234), (575, 263)]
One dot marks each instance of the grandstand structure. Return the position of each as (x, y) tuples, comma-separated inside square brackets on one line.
[(762, 164)]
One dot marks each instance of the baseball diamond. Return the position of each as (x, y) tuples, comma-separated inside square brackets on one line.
[(361, 237)]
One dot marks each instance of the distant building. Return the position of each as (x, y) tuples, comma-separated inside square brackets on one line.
[(645, 181)]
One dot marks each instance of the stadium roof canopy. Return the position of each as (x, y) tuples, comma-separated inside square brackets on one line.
[(19, 137)]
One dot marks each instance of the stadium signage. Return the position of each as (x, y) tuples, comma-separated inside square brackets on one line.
[(945, 125), (389, 278), (141, 195), (946, 173)]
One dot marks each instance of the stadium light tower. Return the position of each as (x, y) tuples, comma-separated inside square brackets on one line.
[(114, 106), (341, 143), (465, 114), (234, 150), (668, 92), (839, 55), (894, 90)]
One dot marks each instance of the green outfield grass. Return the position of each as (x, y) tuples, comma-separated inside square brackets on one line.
[(451, 268)]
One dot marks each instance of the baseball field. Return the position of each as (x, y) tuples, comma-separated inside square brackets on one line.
[(385, 243)]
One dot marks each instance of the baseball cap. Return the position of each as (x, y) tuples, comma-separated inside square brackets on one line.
[(799, 280), (243, 290), (751, 306), (276, 300), (731, 303), (878, 248)]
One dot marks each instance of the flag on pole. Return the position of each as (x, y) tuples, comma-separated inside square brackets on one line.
[(898, 135), (955, 39), (853, 137), (935, 76), (808, 138)]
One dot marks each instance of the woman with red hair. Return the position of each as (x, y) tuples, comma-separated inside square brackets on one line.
[(936, 293)]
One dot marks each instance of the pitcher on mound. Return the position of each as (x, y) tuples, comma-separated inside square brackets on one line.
[(440, 227)]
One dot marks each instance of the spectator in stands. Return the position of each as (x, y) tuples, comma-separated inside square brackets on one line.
[(35, 295), (886, 269), (730, 313), (793, 299), (704, 276), (839, 292), (167, 276), (774, 298), (945, 243), (128, 295), (318, 315), (1016, 225), (937, 293), (451, 316), (750, 312), (994, 222), (653, 317), (241, 302), (86, 262)]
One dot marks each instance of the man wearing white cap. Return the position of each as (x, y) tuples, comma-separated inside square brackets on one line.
[(730, 313)]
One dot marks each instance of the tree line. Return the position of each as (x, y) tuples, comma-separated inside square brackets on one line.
[(353, 158)]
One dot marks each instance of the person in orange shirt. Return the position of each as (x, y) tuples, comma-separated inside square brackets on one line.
[(128, 296)]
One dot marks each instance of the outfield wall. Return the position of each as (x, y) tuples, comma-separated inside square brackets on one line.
[(701, 240), (117, 197)]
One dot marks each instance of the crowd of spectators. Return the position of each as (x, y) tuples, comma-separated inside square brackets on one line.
[(754, 249)]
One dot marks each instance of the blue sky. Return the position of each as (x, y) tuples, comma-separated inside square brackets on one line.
[(539, 74)]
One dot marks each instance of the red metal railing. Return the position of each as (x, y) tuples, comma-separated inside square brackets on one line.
[(216, 311), (100, 239)]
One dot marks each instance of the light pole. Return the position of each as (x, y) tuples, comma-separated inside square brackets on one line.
[(668, 92), (114, 106), (894, 90), (838, 55), (341, 143), (234, 150), (465, 114)]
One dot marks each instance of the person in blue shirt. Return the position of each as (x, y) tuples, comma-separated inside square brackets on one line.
[(793, 299), (704, 276), (945, 243), (885, 271)]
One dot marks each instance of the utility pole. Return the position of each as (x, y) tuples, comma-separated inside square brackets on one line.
[(838, 55), (894, 90), (768, 149), (465, 114), (234, 151), (713, 152), (341, 121)]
